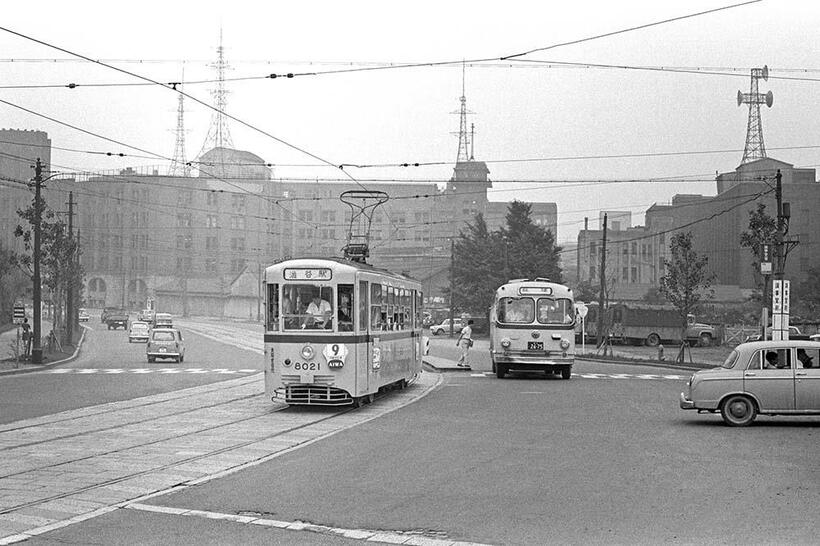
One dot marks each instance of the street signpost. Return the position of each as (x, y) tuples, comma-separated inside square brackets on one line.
[(582, 310), (780, 310), (18, 315)]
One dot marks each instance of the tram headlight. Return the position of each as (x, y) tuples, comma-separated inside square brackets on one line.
[(565, 344), (505, 343), (307, 352)]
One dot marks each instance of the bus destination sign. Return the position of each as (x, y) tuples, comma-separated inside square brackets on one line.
[(308, 274)]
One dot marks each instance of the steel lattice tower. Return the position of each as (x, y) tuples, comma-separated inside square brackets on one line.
[(463, 136), (755, 148), (179, 163), (219, 136)]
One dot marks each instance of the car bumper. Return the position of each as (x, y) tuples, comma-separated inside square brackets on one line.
[(164, 355), (685, 403), (138, 338)]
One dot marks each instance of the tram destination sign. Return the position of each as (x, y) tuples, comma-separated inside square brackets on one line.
[(308, 274)]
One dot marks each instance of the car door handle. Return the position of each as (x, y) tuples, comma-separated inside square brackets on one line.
[(750, 374), (801, 373)]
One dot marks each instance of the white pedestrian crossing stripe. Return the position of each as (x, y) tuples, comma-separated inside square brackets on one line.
[(642, 376), (144, 371)]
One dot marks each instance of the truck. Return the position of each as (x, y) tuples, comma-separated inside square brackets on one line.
[(648, 324), (116, 319)]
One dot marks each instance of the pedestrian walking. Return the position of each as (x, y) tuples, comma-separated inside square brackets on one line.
[(465, 341), (27, 338)]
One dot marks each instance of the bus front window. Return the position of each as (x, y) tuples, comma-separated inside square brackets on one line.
[(516, 310), (552, 311)]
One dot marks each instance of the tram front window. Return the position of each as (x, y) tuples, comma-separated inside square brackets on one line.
[(307, 306)]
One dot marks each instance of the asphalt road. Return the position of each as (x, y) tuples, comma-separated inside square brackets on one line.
[(109, 369), (606, 457)]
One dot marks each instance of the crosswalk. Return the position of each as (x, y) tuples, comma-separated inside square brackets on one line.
[(643, 376), (144, 371)]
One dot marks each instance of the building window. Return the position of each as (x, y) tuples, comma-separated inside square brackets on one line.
[(238, 202), (184, 219), (237, 222), (211, 199), (210, 265), (238, 243), (634, 274), (237, 265), (211, 221), (625, 274)]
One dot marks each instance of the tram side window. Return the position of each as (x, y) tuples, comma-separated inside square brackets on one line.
[(376, 318), (362, 306), (419, 300), (345, 307), (272, 316)]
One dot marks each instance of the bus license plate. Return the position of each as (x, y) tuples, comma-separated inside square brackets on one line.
[(535, 345)]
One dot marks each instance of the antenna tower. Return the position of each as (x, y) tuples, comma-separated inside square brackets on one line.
[(463, 136), (179, 165), (219, 136), (755, 148)]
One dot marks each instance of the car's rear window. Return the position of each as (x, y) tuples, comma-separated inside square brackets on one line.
[(163, 336)]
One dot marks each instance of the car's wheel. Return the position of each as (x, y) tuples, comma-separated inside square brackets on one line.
[(436, 332), (151, 359), (653, 340), (181, 358), (566, 372), (500, 371), (705, 340), (738, 410)]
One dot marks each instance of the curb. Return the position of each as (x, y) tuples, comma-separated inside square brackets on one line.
[(50, 365)]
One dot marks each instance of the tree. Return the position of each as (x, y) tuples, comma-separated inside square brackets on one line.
[(762, 230), (654, 296), (686, 279), (13, 282), (530, 248), (59, 266), (806, 295), (477, 266)]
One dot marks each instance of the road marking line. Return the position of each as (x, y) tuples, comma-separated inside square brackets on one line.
[(365, 535)]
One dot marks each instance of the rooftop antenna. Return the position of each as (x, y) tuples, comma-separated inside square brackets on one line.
[(219, 136), (362, 204), (463, 137), (179, 165), (755, 148)]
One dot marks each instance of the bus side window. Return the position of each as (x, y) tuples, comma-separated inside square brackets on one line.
[(272, 322), (362, 306)]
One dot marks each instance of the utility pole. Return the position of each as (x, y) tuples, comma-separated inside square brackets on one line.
[(452, 280), (780, 288), (602, 293), (36, 349), (69, 305)]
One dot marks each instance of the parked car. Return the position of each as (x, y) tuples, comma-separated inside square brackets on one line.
[(83, 316), (165, 343), (794, 333), (138, 331), (760, 377), (444, 327), (117, 319)]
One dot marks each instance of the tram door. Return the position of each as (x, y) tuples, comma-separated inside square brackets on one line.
[(364, 350)]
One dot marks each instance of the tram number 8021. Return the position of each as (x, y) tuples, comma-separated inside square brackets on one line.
[(315, 366)]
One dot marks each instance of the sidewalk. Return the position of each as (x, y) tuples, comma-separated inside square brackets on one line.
[(8, 365), (443, 364)]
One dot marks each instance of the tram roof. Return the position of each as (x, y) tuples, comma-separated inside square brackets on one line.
[(347, 266)]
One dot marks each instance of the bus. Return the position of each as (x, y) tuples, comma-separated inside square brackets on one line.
[(532, 328), (337, 331)]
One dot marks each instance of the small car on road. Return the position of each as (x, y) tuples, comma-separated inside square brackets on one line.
[(83, 316), (444, 327), (138, 331), (165, 343), (759, 378)]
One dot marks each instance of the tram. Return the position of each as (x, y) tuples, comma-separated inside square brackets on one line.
[(338, 330), (532, 328)]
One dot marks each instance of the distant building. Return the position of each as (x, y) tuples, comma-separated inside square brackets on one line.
[(635, 257)]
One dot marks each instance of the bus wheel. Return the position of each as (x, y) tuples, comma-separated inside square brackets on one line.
[(653, 340), (566, 372), (500, 371)]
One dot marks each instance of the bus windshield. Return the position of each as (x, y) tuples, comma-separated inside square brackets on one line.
[(555, 311), (307, 306), (516, 310)]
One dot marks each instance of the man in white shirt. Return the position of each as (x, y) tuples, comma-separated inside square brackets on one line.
[(319, 311)]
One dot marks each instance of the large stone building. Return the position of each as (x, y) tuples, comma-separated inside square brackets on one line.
[(192, 242), (637, 254)]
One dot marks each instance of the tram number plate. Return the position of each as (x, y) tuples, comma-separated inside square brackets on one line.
[(535, 345)]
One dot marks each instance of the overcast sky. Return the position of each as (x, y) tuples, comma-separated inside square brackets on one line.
[(536, 122)]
